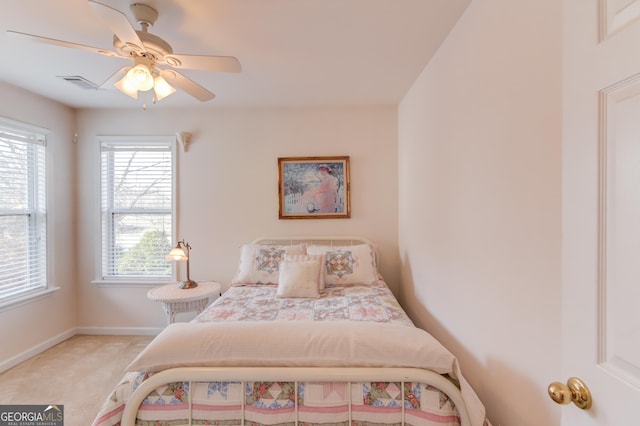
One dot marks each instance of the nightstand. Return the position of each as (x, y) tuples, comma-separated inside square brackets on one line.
[(176, 300)]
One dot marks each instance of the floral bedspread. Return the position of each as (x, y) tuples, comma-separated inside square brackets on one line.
[(372, 302), (281, 403)]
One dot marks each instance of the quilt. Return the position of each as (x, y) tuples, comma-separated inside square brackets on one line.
[(371, 302), (252, 318)]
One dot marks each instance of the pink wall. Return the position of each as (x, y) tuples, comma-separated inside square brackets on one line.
[(27, 328), (480, 203), (228, 190)]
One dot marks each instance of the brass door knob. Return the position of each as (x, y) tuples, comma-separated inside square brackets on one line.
[(574, 391)]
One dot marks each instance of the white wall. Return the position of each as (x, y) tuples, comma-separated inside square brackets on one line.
[(227, 190), (43, 322), (479, 203)]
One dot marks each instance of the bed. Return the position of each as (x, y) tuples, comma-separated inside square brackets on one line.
[(308, 333)]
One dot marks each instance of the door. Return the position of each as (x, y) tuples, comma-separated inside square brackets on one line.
[(601, 208)]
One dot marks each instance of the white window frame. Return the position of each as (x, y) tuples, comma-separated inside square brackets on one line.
[(103, 278), (29, 133)]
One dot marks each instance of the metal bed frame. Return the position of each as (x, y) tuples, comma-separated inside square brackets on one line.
[(293, 374)]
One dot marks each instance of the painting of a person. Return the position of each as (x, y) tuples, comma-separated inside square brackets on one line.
[(326, 195), (313, 188)]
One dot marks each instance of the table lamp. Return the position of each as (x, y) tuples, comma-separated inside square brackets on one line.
[(178, 254)]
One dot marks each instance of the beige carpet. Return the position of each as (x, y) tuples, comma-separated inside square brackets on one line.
[(78, 373)]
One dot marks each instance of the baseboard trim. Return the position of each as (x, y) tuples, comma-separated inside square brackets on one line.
[(35, 350), (119, 331), (49, 343)]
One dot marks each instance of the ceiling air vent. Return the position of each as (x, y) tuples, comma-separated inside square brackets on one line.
[(81, 82)]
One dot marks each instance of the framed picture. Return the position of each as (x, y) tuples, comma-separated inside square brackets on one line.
[(313, 187)]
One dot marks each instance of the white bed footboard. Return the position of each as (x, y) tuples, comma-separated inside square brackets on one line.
[(293, 374)]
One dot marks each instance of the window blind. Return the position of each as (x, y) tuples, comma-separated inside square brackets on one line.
[(137, 209), (23, 218)]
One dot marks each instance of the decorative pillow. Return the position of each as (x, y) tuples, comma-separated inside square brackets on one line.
[(260, 263), (318, 258), (347, 264), (299, 279)]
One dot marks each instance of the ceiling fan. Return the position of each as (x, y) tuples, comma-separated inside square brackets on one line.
[(154, 63)]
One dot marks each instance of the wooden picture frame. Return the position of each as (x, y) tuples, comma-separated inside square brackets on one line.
[(314, 188)]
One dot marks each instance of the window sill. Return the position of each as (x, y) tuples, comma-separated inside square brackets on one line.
[(132, 283), (26, 298)]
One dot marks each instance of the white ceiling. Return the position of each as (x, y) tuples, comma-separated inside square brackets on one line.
[(293, 52)]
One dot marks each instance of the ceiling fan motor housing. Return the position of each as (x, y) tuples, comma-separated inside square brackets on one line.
[(145, 15), (153, 47)]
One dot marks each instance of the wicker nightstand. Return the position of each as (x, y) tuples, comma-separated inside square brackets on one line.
[(176, 300)]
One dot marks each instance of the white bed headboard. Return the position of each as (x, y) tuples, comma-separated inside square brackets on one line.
[(328, 240)]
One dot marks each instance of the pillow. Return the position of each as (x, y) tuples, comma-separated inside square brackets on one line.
[(299, 279), (318, 258), (260, 263), (347, 264)]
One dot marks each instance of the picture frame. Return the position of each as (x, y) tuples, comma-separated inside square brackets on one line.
[(314, 187)]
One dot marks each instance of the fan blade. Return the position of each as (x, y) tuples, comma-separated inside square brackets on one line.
[(117, 76), (62, 43), (188, 85), (119, 24), (204, 62)]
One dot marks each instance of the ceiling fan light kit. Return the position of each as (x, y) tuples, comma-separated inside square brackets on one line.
[(153, 59), (141, 78)]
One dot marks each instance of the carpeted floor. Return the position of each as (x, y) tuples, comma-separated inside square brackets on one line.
[(78, 373)]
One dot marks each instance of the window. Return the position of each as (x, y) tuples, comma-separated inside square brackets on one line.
[(23, 211), (137, 181)]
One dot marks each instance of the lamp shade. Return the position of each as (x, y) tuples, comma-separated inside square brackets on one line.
[(177, 254), (140, 77), (127, 87), (162, 88)]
